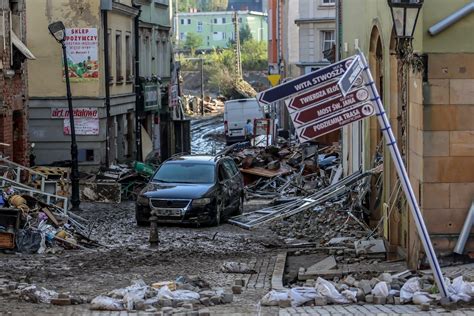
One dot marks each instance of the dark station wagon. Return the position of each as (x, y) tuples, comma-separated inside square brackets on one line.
[(192, 189)]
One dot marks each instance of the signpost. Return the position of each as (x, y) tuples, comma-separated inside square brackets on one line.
[(332, 103), (303, 83)]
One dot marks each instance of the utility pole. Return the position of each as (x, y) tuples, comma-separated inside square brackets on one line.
[(107, 86), (202, 85), (138, 87), (238, 59)]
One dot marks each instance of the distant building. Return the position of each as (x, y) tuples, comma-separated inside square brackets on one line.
[(252, 5), (217, 28)]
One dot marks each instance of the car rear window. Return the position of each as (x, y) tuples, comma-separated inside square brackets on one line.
[(185, 172)]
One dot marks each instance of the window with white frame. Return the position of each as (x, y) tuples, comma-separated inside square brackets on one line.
[(218, 36), (199, 27), (182, 36), (189, 21), (182, 21), (328, 2), (328, 39)]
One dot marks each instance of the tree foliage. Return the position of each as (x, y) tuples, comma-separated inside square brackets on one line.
[(202, 5), (245, 33), (193, 41), (254, 55)]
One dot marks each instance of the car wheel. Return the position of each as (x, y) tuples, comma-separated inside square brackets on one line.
[(218, 216), (143, 223)]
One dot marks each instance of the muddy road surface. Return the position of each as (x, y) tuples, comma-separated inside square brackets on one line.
[(207, 135), (126, 256)]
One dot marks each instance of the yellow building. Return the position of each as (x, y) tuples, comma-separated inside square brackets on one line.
[(432, 115), (47, 90)]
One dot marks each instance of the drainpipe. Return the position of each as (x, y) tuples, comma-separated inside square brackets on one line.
[(451, 19), (107, 86), (138, 89)]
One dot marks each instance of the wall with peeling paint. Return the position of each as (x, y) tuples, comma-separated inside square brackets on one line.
[(48, 65)]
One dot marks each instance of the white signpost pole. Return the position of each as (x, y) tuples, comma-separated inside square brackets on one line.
[(402, 173)]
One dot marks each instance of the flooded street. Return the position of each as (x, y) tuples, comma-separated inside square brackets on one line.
[(207, 135)]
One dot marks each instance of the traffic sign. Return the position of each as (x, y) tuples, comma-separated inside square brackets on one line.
[(316, 95), (328, 108), (347, 80), (301, 84), (335, 122), (274, 79)]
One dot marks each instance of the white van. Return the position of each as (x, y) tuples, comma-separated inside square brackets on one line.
[(236, 114)]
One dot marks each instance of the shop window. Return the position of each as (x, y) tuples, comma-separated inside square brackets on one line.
[(85, 155)]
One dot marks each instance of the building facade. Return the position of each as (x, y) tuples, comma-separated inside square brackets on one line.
[(251, 5), (217, 29), (155, 51), (431, 111), (13, 82), (49, 128)]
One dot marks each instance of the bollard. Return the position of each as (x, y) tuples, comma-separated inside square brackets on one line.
[(154, 238)]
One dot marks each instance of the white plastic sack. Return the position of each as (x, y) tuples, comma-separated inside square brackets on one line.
[(409, 289), (105, 303), (380, 289), (236, 267), (460, 290), (37, 294), (273, 297), (328, 290), (133, 293), (301, 295), (350, 295), (420, 298), (180, 295)]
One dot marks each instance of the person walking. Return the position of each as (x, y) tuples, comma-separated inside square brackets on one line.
[(249, 131)]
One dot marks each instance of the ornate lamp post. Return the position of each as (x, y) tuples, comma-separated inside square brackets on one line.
[(58, 31), (404, 16)]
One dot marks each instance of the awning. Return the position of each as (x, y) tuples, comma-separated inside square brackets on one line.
[(21, 47)]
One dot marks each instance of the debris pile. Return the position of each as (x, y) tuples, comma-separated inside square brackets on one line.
[(287, 171), (186, 294), (400, 288), (35, 294), (192, 105), (28, 225)]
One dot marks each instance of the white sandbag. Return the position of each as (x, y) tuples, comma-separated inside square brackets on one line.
[(409, 289), (301, 295), (459, 290), (380, 289), (350, 295), (420, 298), (105, 303), (328, 290), (273, 297), (36, 294), (236, 267), (180, 295)]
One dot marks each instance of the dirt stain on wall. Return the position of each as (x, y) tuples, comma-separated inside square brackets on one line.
[(74, 13)]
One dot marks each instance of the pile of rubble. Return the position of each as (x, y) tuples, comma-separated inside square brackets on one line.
[(192, 105), (386, 288), (28, 225), (287, 171), (185, 295)]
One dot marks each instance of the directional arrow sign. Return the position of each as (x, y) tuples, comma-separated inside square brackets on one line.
[(301, 84), (335, 122), (316, 95), (350, 76), (329, 107)]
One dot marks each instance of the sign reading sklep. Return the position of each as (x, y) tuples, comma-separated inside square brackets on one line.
[(82, 49)]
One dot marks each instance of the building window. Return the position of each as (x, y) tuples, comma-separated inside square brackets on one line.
[(223, 20), (182, 21), (189, 21), (240, 20), (215, 21), (328, 40), (128, 58), (109, 38), (84, 155), (199, 27), (328, 2), (218, 36), (118, 57)]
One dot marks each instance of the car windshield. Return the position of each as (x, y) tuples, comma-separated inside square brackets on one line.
[(185, 172)]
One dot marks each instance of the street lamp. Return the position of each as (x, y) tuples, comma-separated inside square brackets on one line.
[(404, 16), (58, 31)]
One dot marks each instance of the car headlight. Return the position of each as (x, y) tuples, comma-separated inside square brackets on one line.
[(201, 202), (142, 200)]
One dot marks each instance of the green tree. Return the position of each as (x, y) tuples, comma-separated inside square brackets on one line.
[(213, 5), (245, 33), (193, 41), (254, 55)]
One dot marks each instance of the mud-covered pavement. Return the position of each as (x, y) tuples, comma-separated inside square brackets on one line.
[(207, 134), (126, 256)]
